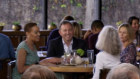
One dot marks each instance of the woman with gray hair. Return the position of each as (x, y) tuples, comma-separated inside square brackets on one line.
[(124, 71), (110, 46)]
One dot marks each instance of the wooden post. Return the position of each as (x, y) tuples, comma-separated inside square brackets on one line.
[(45, 5), (93, 12)]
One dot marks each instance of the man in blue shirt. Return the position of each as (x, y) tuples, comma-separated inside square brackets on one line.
[(6, 49)]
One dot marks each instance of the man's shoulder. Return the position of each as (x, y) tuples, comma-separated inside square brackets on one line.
[(78, 39), (54, 31), (58, 39), (2, 36), (94, 35)]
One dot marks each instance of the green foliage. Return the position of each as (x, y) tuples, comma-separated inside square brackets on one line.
[(71, 1), (53, 7), (105, 8), (35, 8), (2, 24), (79, 5), (118, 23), (132, 0), (16, 23), (80, 22), (80, 52), (63, 6), (53, 24)]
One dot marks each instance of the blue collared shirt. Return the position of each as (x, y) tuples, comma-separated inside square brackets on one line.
[(6, 48)]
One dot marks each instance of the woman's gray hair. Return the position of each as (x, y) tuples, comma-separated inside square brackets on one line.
[(124, 71), (108, 40)]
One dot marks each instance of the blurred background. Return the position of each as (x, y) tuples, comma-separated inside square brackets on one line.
[(45, 12)]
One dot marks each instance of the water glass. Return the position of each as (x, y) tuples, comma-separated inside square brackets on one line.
[(86, 61), (90, 55)]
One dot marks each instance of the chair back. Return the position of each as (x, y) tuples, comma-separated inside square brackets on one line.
[(3, 70), (11, 65), (103, 73)]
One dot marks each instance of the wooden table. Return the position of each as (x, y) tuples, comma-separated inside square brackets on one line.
[(76, 69), (74, 72), (138, 56)]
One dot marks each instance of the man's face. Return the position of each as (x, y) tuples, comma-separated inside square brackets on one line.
[(66, 31)]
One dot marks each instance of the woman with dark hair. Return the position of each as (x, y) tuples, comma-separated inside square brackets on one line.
[(133, 21), (91, 36), (26, 53)]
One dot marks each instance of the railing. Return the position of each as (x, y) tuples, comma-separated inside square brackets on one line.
[(18, 36)]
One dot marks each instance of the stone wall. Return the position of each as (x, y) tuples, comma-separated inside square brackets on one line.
[(118, 11), (23, 11), (57, 9)]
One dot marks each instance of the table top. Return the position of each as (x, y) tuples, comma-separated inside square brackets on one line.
[(77, 69), (138, 56)]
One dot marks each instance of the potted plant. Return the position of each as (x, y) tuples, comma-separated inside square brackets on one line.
[(16, 26), (81, 24), (2, 24), (52, 26)]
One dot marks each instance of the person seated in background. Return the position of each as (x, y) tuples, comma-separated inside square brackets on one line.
[(128, 54), (133, 21), (94, 24), (124, 71), (77, 30), (110, 44), (6, 49), (38, 72), (66, 43), (26, 53), (96, 27), (55, 33)]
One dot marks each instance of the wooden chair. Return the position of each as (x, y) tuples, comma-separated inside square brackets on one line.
[(3, 71), (103, 73), (11, 65)]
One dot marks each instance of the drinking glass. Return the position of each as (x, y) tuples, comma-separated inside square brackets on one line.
[(90, 55), (86, 61)]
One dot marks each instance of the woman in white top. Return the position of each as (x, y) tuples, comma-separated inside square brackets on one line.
[(110, 46)]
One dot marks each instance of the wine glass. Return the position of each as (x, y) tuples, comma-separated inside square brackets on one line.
[(86, 61)]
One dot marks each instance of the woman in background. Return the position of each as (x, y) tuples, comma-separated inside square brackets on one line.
[(126, 34), (133, 21), (77, 30), (26, 53), (110, 44)]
